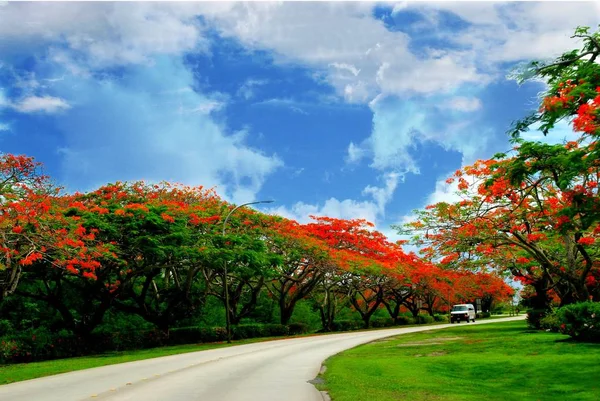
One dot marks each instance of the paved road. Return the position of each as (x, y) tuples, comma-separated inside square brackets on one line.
[(267, 371)]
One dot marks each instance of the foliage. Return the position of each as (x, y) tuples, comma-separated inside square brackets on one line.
[(134, 265), (580, 321), (441, 318), (534, 213)]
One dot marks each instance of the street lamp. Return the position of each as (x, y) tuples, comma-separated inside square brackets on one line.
[(226, 289)]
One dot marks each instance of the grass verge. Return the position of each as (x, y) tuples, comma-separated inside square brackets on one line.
[(497, 361)]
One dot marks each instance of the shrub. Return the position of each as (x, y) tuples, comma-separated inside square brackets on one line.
[(550, 322), (298, 328), (274, 330), (484, 315), (403, 320), (39, 344), (382, 322), (6, 327), (244, 331), (440, 318), (581, 321), (347, 325), (534, 317), (191, 335), (424, 319)]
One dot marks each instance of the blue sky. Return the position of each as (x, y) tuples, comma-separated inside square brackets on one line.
[(352, 110)]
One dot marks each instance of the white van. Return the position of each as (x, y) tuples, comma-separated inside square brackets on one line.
[(464, 312)]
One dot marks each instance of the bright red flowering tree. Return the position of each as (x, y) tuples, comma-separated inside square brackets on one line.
[(134, 247), (367, 261), (33, 228), (304, 262), (534, 213)]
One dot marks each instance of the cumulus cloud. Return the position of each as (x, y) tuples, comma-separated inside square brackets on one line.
[(105, 34), (355, 153), (382, 195), (462, 103), (360, 56), (132, 127), (372, 209), (46, 104), (353, 51)]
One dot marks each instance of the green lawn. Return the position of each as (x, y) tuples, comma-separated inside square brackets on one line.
[(499, 361), (26, 371)]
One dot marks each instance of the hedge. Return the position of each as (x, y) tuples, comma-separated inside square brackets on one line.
[(581, 321), (40, 344)]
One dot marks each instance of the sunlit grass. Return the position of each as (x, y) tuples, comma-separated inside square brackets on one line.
[(500, 361)]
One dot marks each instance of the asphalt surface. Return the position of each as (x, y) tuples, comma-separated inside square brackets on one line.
[(267, 371)]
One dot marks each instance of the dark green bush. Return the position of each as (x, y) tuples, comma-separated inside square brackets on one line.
[(404, 320), (244, 331), (39, 344), (550, 322), (298, 328), (484, 315), (193, 335), (347, 325), (382, 322), (424, 319), (6, 327), (440, 318), (581, 321), (274, 330), (534, 317)]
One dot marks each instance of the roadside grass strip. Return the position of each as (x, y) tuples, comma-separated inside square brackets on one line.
[(498, 361)]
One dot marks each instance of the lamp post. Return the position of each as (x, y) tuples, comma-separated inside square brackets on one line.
[(226, 289)]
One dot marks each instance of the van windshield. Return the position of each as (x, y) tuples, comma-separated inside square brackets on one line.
[(459, 308)]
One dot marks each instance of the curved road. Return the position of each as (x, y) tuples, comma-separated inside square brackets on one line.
[(267, 371)]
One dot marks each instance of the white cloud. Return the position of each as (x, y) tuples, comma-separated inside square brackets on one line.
[(382, 195), (372, 210), (562, 132), (360, 56), (46, 104), (346, 67), (291, 104), (132, 128), (209, 106), (4, 127), (105, 33), (355, 153), (461, 103), (444, 192), (248, 89), (394, 134), (332, 207)]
